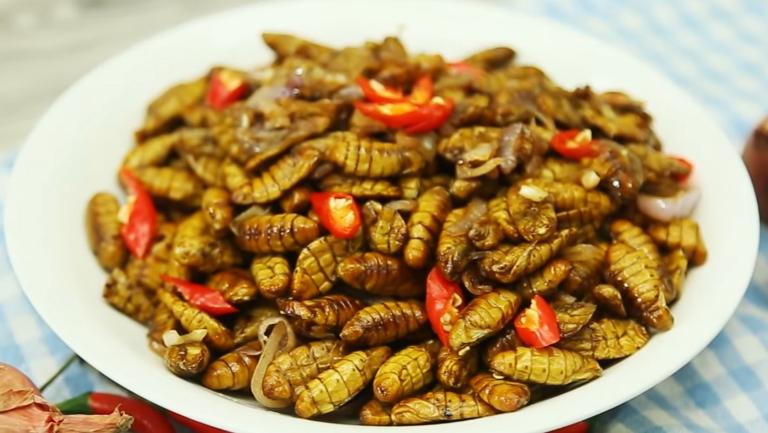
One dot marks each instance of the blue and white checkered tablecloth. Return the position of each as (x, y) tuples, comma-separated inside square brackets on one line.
[(718, 51)]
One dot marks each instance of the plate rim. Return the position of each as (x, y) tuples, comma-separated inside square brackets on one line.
[(13, 201)]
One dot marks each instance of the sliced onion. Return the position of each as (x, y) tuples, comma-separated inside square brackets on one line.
[(401, 205), (669, 208), (280, 339), (464, 171), (509, 137), (172, 337), (267, 326), (250, 212), (263, 99), (475, 210), (481, 152)]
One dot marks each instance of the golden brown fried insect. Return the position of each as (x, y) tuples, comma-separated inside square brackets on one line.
[(505, 340), (233, 370), (579, 217), (246, 328), (460, 142), (681, 233), (424, 225), (454, 370), (315, 271), (482, 317), (411, 186), (159, 261), (217, 209), (385, 228), (329, 313), (384, 322), (485, 234), (264, 234), (548, 366), (341, 382), (171, 183), (361, 188), (381, 274), (439, 406), (235, 284), (296, 199), (278, 178), (170, 105), (607, 339), (453, 246), (491, 58), (573, 316), (272, 275), (209, 169), (656, 165), (675, 265), (627, 233), (406, 372), (631, 271), (127, 297), (586, 267), (289, 372), (475, 283), (509, 263), (561, 170), (152, 152), (621, 171), (235, 176), (499, 213), (218, 336), (363, 157), (567, 196), (103, 230), (375, 413), (609, 298), (544, 281), (195, 245), (463, 189), (187, 359), (285, 45), (502, 395), (198, 141), (535, 221)]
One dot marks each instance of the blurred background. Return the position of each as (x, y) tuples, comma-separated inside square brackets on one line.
[(46, 45)]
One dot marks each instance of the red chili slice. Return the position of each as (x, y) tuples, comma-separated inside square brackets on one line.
[(422, 91), (443, 301), (225, 88), (681, 178), (574, 144), (202, 297), (141, 227), (537, 325), (338, 213), (376, 91)]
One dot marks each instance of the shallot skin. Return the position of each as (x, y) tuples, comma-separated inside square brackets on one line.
[(668, 208), (23, 408)]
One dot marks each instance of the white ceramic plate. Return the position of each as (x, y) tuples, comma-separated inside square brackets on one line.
[(75, 149)]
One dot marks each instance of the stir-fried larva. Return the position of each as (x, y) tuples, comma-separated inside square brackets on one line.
[(434, 239)]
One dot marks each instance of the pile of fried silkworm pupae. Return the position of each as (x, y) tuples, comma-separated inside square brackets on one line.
[(394, 236)]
